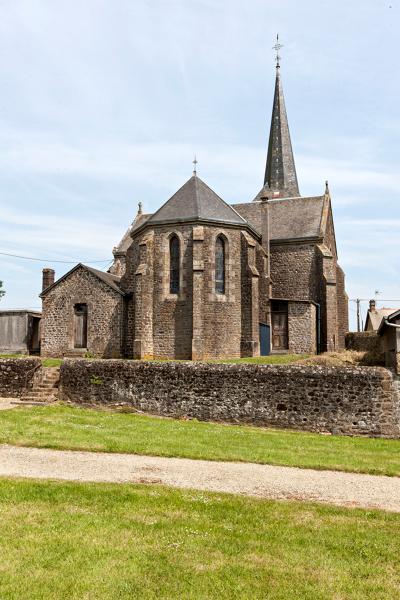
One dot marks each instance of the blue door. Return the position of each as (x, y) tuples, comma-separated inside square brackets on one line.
[(265, 344)]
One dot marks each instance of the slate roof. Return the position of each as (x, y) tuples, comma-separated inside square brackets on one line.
[(127, 239), (108, 278), (290, 218), (280, 170), (195, 201)]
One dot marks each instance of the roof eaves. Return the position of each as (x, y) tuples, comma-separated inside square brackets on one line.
[(236, 225), (299, 240), (112, 285)]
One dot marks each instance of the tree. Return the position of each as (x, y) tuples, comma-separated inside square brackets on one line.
[(2, 292)]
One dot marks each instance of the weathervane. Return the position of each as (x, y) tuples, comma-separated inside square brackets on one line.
[(277, 47), (195, 161)]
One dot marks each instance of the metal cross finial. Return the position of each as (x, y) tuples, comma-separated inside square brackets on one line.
[(195, 161), (277, 47)]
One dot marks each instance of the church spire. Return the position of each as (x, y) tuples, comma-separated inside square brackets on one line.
[(280, 172)]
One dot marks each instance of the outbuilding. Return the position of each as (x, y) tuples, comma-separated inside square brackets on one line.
[(20, 332), (389, 330)]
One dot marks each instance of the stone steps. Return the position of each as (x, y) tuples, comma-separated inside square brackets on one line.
[(45, 386)]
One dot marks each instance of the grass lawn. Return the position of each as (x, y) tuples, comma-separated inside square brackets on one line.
[(64, 427), (46, 362), (96, 542), (273, 359)]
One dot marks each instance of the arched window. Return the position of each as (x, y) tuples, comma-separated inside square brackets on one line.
[(220, 265), (174, 265)]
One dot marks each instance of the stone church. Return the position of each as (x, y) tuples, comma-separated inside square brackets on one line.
[(201, 278)]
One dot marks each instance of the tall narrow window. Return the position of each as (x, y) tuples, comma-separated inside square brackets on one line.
[(220, 265), (174, 266)]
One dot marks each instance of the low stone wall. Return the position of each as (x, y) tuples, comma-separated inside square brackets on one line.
[(16, 376), (354, 400)]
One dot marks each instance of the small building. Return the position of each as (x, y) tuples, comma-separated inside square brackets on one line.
[(20, 332), (375, 316), (389, 331)]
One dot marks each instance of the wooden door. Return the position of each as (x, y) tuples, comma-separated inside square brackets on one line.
[(80, 326), (279, 331)]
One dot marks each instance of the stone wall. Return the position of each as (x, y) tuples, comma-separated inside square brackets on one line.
[(365, 341), (294, 271), (16, 376), (359, 401), (196, 322), (302, 321)]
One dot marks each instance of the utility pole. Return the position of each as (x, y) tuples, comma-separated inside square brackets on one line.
[(358, 314)]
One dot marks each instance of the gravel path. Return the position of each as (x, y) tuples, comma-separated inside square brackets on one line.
[(265, 481), (7, 403)]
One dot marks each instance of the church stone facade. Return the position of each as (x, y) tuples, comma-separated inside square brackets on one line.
[(201, 278)]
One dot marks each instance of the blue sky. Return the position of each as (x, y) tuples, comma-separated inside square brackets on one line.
[(103, 104)]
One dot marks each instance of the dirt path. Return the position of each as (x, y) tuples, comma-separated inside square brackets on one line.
[(346, 489), (7, 403)]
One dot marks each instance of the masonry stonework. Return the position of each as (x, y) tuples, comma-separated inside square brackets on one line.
[(105, 317), (17, 376), (353, 400)]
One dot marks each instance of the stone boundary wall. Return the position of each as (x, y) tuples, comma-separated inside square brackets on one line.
[(16, 376), (350, 400), (364, 341)]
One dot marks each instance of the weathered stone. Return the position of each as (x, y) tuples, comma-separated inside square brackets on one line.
[(351, 401), (17, 375)]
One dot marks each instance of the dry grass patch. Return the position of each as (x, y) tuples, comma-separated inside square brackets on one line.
[(345, 358)]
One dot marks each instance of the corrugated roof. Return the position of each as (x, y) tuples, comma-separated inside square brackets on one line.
[(196, 201), (290, 218)]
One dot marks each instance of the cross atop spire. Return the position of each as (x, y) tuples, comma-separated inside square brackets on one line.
[(195, 161), (277, 47)]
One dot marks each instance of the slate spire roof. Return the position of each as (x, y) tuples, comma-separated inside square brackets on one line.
[(195, 201), (280, 173)]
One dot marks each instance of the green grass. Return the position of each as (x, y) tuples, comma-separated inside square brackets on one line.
[(46, 362), (51, 362), (65, 427), (70, 541), (273, 359)]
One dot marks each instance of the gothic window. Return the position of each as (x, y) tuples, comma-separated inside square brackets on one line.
[(220, 265), (174, 265)]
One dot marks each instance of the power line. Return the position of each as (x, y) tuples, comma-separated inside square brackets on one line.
[(53, 260), (368, 299)]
